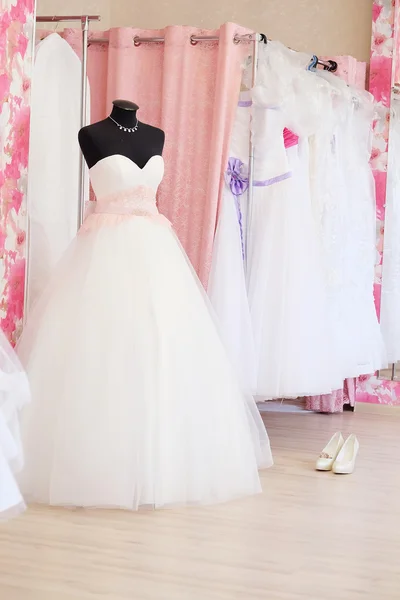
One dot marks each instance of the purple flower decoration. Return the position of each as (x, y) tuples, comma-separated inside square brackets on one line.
[(236, 177), (238, 182)]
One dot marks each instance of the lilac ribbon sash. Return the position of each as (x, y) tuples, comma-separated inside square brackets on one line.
[(238, 182)]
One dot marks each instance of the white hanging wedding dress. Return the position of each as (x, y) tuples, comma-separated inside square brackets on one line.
[(134, 400), (286, 275), (54, 159), (344, 202), (361, 220), (227, 283)]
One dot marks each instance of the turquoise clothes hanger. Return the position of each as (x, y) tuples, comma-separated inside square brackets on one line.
[(329, 65), (313, 63)]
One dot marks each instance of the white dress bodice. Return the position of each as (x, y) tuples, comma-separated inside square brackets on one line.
[(122, 187)]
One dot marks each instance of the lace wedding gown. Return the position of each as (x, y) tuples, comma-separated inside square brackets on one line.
[(287, 289), (311, 237), (344, 201), (134, 400)]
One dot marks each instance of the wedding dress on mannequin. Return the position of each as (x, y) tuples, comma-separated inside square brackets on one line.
[(135, 402), (54, 158)]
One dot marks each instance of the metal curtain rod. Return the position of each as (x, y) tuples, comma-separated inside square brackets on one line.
[(194, 39), (59, 18), (329, 65)]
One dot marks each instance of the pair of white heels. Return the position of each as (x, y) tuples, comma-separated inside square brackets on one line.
[(338, 455)]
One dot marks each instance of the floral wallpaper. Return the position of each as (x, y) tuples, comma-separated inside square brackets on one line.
[(384, 16), (16, 32)]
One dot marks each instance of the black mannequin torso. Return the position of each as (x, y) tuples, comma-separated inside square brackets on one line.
[(105, 138)]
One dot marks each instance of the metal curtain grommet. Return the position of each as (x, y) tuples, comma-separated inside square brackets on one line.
[(136, 41)]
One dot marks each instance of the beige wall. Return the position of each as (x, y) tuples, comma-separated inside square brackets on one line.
[(324, 27)]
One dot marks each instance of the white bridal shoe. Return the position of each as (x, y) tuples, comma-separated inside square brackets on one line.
[(346, 459), (330, 453)]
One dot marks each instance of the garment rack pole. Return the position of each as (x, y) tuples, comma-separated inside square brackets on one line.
[(82, 167), (250, 189), (28, 226), (62, 18)]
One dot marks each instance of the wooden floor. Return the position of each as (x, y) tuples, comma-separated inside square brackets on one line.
[(310, 536)]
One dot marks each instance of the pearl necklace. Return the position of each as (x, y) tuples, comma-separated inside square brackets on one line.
[(128, 129)]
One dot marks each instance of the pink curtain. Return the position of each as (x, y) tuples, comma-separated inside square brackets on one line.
[(354, 73), (351, 70), (190, 91), (334, 402)]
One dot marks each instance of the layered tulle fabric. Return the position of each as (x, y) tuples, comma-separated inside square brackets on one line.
[(14, 394), (135, 401), (227, 284)]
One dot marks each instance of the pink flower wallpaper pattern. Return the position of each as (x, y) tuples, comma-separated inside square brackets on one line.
[(16, 31), (385, 31)]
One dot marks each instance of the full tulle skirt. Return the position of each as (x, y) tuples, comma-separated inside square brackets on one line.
[(14, 394), (135, 402)]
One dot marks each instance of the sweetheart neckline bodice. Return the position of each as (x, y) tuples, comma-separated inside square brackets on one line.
[(119, 175), (126, 158)]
